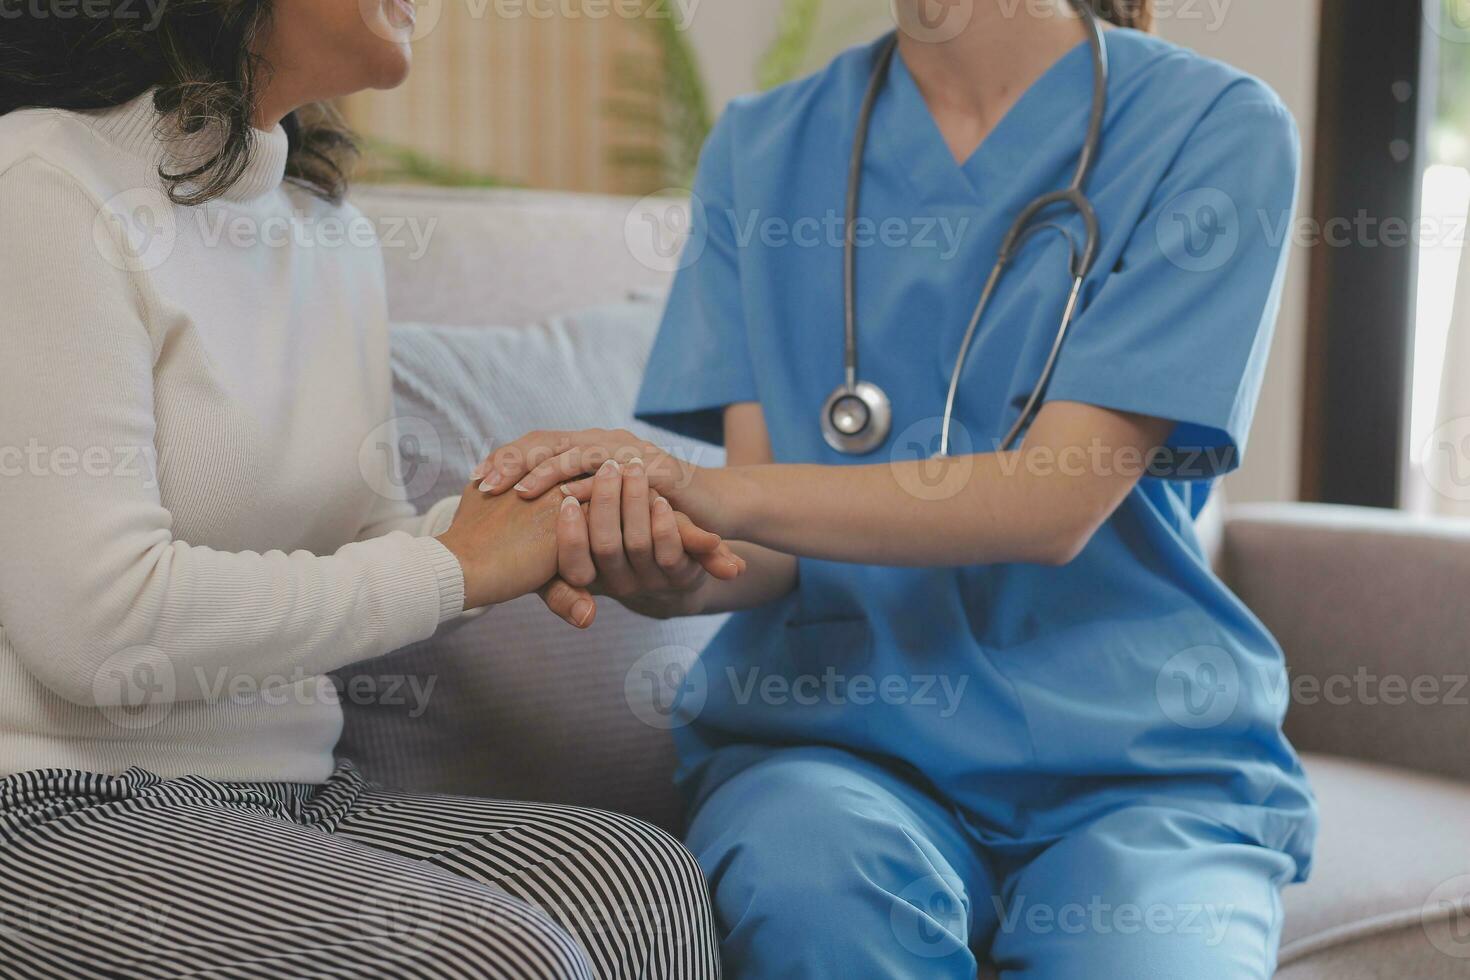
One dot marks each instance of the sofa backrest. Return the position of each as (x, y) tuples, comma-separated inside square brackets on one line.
[(1369, 606), (523, 707), (508, 257)]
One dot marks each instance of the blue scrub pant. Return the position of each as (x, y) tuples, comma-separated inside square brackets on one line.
[(823, 864)]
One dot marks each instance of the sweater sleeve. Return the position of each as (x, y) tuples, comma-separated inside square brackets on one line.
[(398, 515), (91, 573)]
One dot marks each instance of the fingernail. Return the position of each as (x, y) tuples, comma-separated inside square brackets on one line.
[(566, 489), (611, 466), (569, 507), (486, 487), (495, 478), (522, 487), (582, 611), (635, 466), (662, 505)]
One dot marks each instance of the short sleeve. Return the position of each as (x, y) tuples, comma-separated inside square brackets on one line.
[(701, 359), (1182, 327)]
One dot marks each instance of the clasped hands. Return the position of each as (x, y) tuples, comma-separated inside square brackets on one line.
[(574, 515)]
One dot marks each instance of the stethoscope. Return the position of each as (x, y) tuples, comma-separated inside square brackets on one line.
[(857, 417)]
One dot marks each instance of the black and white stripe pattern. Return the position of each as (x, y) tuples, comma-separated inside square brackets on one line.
[(136, 876)]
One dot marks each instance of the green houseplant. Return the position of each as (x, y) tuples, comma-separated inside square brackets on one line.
[(663, 102)]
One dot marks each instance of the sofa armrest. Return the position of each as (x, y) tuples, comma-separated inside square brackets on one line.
[(1373, 611)]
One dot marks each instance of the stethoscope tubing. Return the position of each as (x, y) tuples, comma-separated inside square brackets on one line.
[(1080, 264), (854, 198)]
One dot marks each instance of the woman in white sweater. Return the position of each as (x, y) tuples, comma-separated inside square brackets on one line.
[(197, 524)]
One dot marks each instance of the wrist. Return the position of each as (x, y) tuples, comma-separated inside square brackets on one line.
[(475, 585), (736, 500), (670, 605), (693, 602)]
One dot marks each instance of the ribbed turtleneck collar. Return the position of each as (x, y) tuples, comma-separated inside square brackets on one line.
[(139, 129)]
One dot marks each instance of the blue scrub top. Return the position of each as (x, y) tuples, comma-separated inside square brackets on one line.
[(1030, 698)]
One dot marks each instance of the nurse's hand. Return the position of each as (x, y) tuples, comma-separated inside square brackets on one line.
[(629, 543), (538, 462)]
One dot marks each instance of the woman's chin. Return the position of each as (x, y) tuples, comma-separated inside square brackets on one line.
[(383, 64), (393, 68)]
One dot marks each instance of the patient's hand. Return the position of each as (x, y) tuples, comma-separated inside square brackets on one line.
[(507, 548), (629, 543)]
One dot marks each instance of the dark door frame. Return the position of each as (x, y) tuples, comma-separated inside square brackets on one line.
[(1372, 116)]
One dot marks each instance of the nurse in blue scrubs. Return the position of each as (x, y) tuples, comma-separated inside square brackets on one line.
[(996, 705)]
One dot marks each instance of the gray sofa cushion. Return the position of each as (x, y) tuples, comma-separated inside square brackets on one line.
[(516, 703), (1401, 955), (1392, 872)]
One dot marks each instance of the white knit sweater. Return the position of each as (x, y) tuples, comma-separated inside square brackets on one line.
[(197, 511)]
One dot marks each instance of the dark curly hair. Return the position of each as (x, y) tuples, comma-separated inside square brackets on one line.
[(199, 56), (1138, 14)]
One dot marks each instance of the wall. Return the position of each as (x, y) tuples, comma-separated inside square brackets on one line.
[(498, 92), (1274, 39)]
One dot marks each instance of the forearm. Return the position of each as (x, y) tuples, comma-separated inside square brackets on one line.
[(1038, 504), (208, 618), (983, 511)]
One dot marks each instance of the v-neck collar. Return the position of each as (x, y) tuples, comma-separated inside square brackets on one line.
[(1059, 100)]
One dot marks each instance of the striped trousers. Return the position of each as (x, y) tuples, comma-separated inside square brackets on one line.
[(137, 876)]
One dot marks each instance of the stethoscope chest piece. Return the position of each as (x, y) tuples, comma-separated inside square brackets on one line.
[(856, 419)]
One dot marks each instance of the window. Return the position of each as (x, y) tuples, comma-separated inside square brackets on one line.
[(1442, 229)]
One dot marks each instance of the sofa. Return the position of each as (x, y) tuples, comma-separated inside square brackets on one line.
[(1371, 608)]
